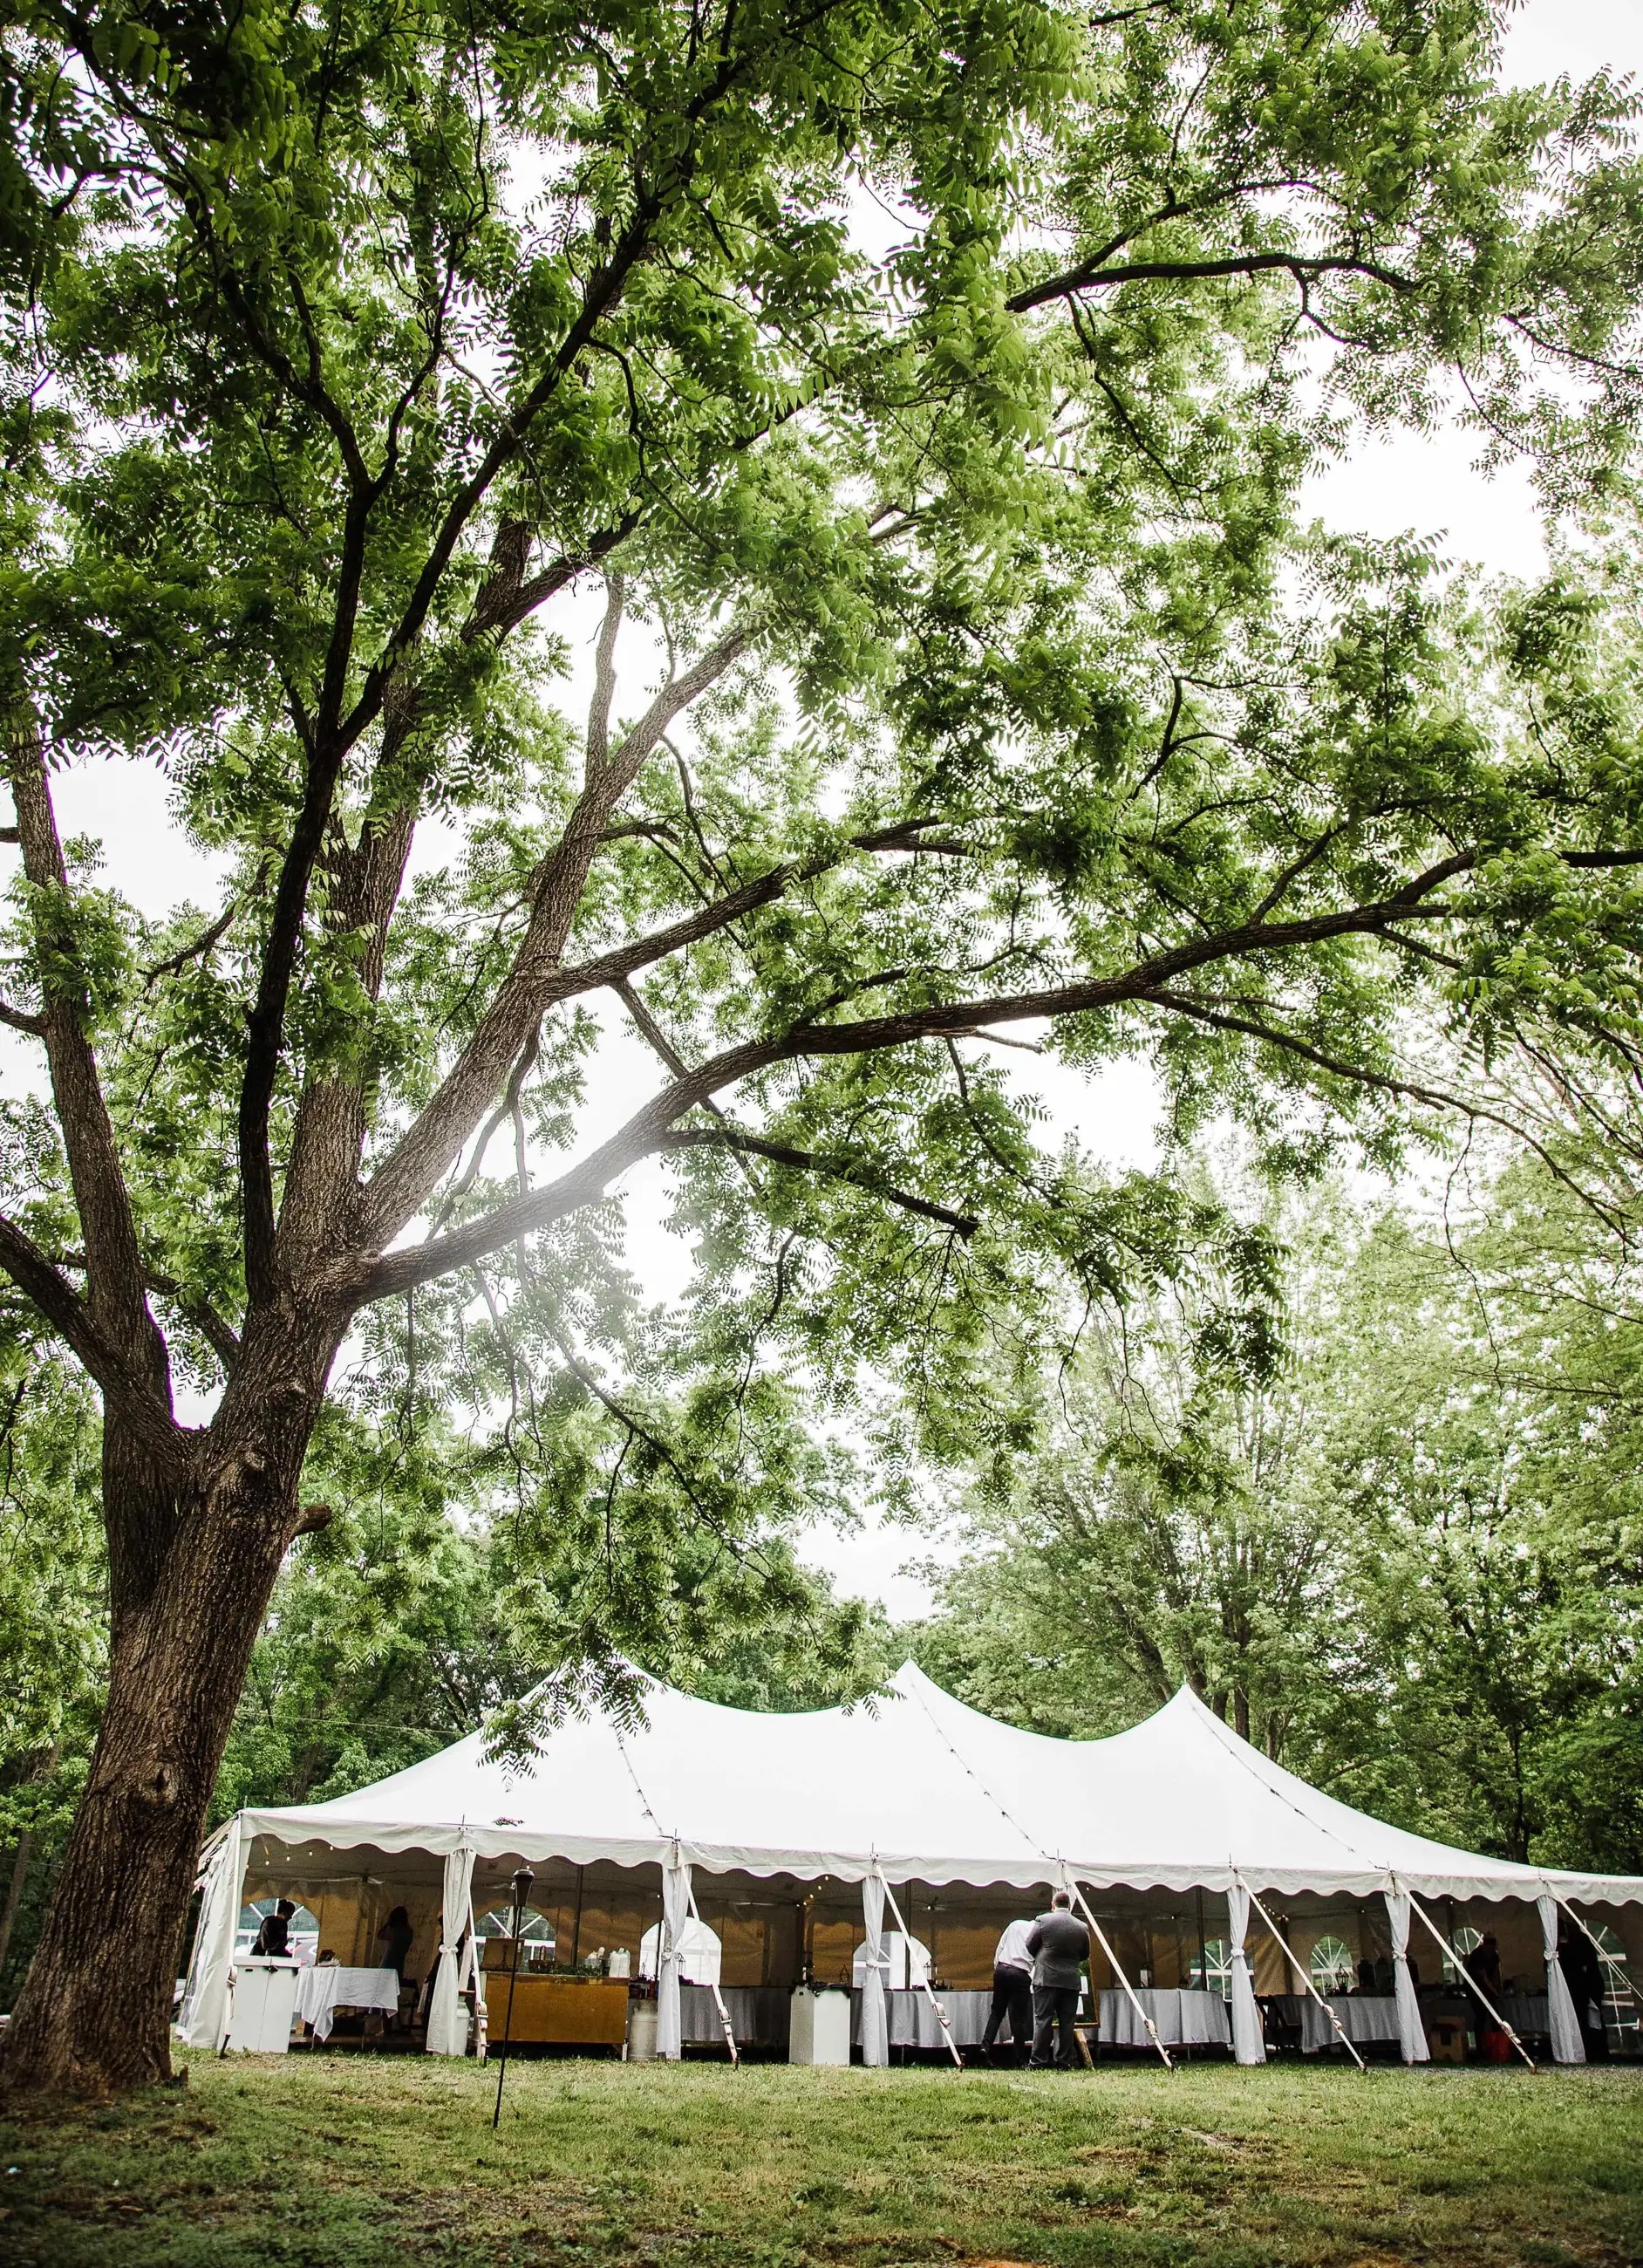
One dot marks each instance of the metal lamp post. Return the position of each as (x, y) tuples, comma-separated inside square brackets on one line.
[(522, 1882)]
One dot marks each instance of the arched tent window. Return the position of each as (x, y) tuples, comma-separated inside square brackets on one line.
[(303, 1935), (909, 1959), (701, 1952), (1330, 1965), (1465, 1940), (1214, 1972), (535, 1928)]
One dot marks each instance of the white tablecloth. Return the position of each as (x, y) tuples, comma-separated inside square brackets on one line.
[(321, 1991), (758, 2014), (1184, 2020), (911, 2022), (1363, 2016), (1527, 2012)]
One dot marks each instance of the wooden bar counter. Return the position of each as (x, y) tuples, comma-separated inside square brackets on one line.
[(582, 2011)]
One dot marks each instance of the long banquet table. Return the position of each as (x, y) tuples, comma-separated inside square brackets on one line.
[(330, 1985), (1183, 2019), (1363, 2016), (911, 2021), (758, 2015)]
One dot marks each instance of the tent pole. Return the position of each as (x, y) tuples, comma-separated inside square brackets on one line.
[(718, 1997), (1101, 1939), (940, 2012), (1475, 1990), (1294, 1962)]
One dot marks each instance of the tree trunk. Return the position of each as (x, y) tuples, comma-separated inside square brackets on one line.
[(94, 2016)]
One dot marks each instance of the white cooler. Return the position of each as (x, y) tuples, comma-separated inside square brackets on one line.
[(819, 2028), (261, 2002)]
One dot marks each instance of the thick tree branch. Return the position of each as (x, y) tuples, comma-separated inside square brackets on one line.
[(598, 741), (1232, 1016), (806, 1161), (648, 1130), (1097, 276), (126, 1392), (605, 288), (432, 1144), (115, 1299)]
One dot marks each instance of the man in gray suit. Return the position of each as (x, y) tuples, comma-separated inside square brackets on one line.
[(1059, 1947)]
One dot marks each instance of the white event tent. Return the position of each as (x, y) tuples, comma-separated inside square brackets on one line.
[(911, 1788)]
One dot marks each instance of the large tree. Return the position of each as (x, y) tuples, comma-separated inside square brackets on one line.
[(996, 683)]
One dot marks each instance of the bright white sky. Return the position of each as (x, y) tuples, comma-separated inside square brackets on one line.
[(1388, 486)]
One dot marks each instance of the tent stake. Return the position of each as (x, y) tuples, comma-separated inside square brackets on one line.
[(718, 1997), (1101, 1939), (940, 2012), (1475, 1990), (1295, 1964)]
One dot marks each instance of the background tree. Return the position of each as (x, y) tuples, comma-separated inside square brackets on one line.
[(53, 1613), (337, 349), (1405, 1556), (1170, 1529)]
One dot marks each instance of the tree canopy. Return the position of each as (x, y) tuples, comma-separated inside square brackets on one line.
[(931, 389)]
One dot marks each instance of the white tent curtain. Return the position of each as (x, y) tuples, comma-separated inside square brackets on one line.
[(447, 2018), (1412, 2033), (204, 2016), (874, 2030), (1249, 2036), (1567, 2044), (675, 1914)]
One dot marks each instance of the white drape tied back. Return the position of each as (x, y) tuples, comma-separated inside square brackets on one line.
[(1412, 2033), (675, 1914), (1249, 2033), (875, 2024), (1567, 2043), (447, 2018), (204, 2016)]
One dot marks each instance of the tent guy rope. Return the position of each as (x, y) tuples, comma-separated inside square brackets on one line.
[(1101, 1939), (1301, 1970), (930, 1991), (1471, 1986)]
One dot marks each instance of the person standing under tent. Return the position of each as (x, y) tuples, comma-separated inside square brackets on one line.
[(1012, 1990), (1059, 1947), (1583, 1972), (273, 1940)]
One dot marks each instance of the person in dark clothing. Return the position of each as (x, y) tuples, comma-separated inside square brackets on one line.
[(396, 1934), (1482, 1967), (1482, 1964), (273, 1940), (1583, 1972), (1012, 1990), (1059, 1947)]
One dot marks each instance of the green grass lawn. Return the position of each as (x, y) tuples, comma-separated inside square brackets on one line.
[(341, 2161)]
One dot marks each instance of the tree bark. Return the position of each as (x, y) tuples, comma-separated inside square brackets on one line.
[(94, 2016)]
